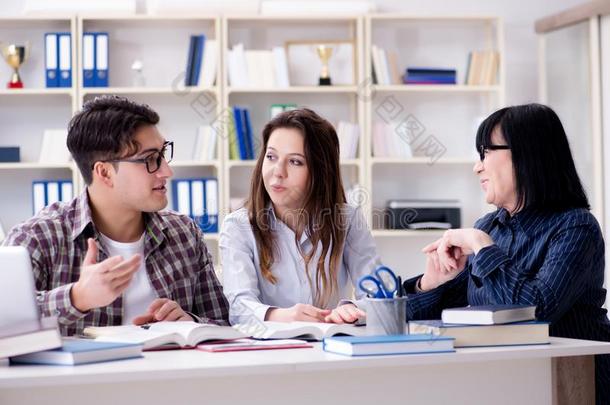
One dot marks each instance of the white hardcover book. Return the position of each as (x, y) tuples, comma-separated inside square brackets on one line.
[(54, 148), (184, 197), (240, 66), (254, 69), (52, 192), (66, 191), (211, 137), (280, 65), (354, 137), (38, 194), (268, 71), (207, 75), (198, 149), (197, 198), (384, 66)]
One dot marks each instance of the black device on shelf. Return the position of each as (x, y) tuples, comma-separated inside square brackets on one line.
[(422, 214)]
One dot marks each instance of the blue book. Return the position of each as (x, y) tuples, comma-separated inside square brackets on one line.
[(88, 59), (240, 132), (199, 46), (188, 76), (249, 137), (81, 351), (489, 314), (510, 334), (101, 59), (9, 154), (385, 345)]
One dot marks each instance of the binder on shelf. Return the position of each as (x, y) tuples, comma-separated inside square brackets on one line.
[(50, 60), (248, 136), (240, 133), (199, 49), (101, 59), (88, 59), (198, 199), (45, 192), (65, 59)]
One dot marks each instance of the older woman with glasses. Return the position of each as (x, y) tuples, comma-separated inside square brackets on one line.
[(540, 247)]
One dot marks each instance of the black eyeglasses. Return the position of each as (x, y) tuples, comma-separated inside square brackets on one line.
[(483, 149), (152, 161)]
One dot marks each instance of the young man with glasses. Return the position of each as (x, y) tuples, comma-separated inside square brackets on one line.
[(111, 256)]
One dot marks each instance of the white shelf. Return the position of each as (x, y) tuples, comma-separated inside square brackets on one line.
[(406, 233), (291, 18), (194, 163), (436, 88), (423, 160), (109, 17), (293, 90), (241, 163), (431, 18), (147, 90), (34, 165), (68, 91)]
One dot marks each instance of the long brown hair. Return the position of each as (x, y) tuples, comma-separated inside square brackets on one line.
[(322, 215)]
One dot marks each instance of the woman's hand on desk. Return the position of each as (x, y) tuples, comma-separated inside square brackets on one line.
[(456, 245), (298, 312), (346, 313)]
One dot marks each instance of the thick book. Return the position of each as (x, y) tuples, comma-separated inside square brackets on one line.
[(253, 344), (392, 344), (489, 314), (29, 337), (511, 334), (306, 330), (81, 351), (163, 335)]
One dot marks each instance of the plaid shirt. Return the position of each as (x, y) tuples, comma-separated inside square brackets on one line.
[(177, 262)]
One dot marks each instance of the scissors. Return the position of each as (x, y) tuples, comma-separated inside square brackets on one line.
[(383, 283)]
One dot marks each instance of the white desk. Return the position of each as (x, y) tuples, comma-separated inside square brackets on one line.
[(503, 375)]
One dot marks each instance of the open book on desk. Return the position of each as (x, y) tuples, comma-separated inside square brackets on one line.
[(163, 335), (303, 330)]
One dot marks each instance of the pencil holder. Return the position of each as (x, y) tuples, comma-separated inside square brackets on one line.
[(386, 316)]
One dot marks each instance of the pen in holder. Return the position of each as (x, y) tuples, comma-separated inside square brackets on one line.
[(386, 316)]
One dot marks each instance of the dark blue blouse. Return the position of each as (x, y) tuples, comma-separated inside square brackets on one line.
[(552, 260)]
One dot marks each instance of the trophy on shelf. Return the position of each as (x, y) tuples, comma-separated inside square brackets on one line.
[(324, 53), (15, 55)]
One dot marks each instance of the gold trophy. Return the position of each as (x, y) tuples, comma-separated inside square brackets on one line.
[(324, 53), (15, 55)]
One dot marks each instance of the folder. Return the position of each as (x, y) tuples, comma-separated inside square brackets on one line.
[(65, 59), (182, 196), (200, 41), (198, 202), (65, 192), (248, 134), (101, 59), (211, 205), (38, 196), (50, 60), (52, 192), (240, 133), (88, 59)]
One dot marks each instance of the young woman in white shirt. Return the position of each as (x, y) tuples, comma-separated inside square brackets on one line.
[(297, 249)]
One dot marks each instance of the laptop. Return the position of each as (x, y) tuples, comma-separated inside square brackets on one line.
[(18, 308)]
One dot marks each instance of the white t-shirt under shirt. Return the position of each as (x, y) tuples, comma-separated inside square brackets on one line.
[(139, 294)]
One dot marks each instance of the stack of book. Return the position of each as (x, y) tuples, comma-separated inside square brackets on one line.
[(494, 325), (385, 66), (482, 68), (258, 68), (429, 76), (389, 142), (348, 134), (202, 62), (205, 144)]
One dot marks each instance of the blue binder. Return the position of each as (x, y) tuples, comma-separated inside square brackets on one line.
[(200, 41), (51, 59), (197, 198), (88, 59), (248, 134), (101, 59), (64, 48)]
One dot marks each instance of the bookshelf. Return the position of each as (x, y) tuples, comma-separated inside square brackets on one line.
[(449, 112)]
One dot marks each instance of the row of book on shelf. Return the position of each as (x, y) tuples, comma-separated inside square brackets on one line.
[(201, 62), (482, 69), (258, 68), (478, 326), (198, 199), (58, 59)]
